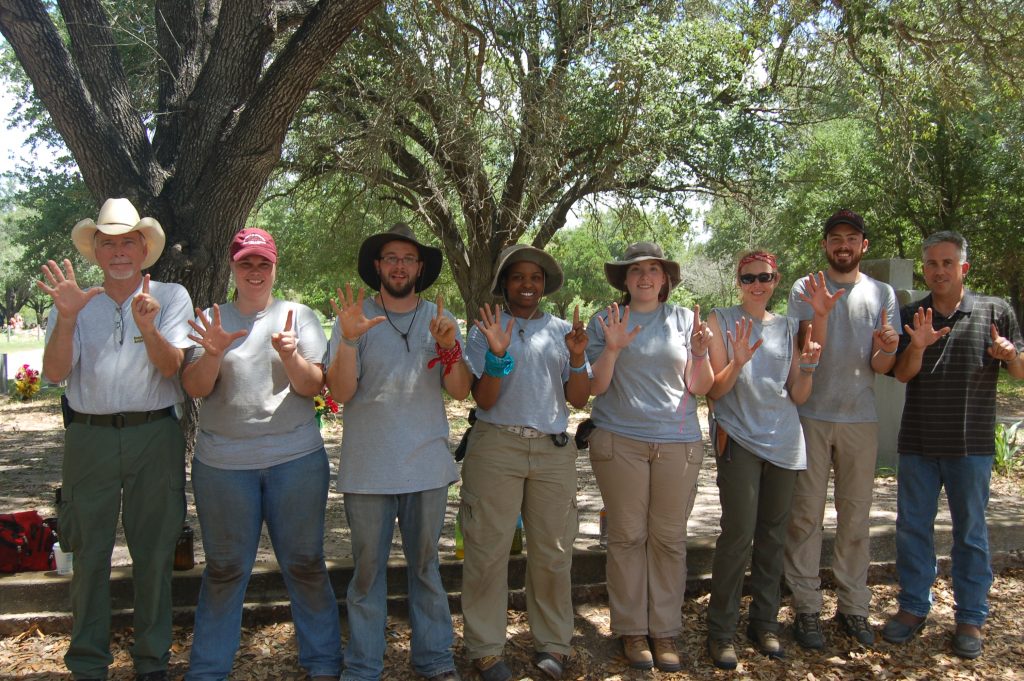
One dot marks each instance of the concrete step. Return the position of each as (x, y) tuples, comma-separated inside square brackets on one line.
[(42, 597)]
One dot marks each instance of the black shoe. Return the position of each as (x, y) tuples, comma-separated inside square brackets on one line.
[(807, 631), (492, 668), (967, 647), (552, 664), (896, 631), (857, 627)]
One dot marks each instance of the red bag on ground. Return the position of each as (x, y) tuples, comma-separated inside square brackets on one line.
[(26, 542)]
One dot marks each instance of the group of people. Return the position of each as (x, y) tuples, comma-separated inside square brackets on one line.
[(791, 399)]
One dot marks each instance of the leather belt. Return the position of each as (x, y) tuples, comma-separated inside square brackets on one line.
[(124, 419), (524, 431)]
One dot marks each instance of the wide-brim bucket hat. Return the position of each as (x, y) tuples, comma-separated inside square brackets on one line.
[(615, 271), (522, 253), (118, 216), (369, 251)]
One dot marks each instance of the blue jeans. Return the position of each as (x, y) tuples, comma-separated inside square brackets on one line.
[(371, 519), (966, 479), (233, 505)]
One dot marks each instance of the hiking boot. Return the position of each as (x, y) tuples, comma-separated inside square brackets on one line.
[(766, 642), (637, 652), (722, 653), (666, 656), (966, 644), (492, 668), (807, 631), (857, 627)]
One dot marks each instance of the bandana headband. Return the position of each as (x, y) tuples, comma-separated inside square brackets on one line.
[(758, 256)]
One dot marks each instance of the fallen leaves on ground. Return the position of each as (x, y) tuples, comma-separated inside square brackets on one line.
[(268, 652)]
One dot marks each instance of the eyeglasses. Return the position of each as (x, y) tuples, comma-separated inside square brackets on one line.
[(119, 325), (763, 277), (392, 260)]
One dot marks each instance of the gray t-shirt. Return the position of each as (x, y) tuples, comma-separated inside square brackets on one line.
[(395, 438), (253, 419), (844, 383), (534, 393), (647, 398), (757, 412), (110, 369)]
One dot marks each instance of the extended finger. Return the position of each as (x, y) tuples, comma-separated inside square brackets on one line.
[(216, 314), (756, 345), (696, 316), (145, 284), (885, 316), (69, 270), (995, 333), (440, 306), (576, 317), (288, 320), (807, 337)]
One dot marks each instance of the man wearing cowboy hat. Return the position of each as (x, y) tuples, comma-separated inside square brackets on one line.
[(119, 347), (389, 358)]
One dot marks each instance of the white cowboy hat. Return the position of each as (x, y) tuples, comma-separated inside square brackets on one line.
[(118, 216)]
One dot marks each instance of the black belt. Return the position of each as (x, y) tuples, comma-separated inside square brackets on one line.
[(124, 419)]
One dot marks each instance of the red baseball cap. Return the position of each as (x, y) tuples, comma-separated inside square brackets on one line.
[(253, 241)]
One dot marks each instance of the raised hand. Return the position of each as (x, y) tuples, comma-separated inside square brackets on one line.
[(286, 342), (351, 319), (63, 288), (145, 307), (921, 333), (701, 335), (210, 335), (742, 350), (442, 327), (885, 337), (818, 297), (812, 350), (616, 337), (576, 340), (1002, 348), (498, 337)]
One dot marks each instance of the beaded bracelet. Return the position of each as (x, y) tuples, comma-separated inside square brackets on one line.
[(498, 367), (448, 357)]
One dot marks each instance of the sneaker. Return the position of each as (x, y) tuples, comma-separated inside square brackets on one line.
[(857, 627), (722, 653), (766, 642), (666, 656), (807, 631), (492, 668), (637, 652)]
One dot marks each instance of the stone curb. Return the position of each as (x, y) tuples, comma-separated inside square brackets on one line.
[(41, 598)]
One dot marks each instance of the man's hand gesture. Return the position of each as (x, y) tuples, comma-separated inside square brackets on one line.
[(885, 337), (1002, 348), (145, 307), (351, 319), (818, 297), (67, 297), (921, 333), (442, 327)]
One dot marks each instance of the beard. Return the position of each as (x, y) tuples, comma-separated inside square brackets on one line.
[(845, 267), (396, 292)]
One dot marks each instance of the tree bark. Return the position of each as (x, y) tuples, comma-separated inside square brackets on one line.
[(231, 77)]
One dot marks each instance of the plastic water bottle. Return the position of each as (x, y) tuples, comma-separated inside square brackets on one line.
[(460, 551), (517, 538)]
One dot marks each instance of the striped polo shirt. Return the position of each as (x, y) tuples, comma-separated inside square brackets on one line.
[(950, 407)]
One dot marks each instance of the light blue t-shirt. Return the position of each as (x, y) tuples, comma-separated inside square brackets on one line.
[(647, 398), (253, 419), (534, 393), (395, 438), (758, 412), (844, 383)]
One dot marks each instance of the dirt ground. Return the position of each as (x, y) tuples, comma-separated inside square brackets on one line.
[(30, 453)]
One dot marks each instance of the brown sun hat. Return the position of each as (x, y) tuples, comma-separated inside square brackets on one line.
[(370, 250), (615, 271), (523, 253)]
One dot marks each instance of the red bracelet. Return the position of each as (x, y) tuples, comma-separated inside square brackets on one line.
[(447, 357)]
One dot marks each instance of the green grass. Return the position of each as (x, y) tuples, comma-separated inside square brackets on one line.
[(21, 342), (1010, 387)]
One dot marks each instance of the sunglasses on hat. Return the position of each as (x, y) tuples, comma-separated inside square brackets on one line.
[(763, 277)]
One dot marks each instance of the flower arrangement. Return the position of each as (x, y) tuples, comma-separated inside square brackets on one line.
[(26, 382), (324, 404)]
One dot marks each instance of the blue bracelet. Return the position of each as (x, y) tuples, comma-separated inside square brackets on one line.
[(498, 367), (579, 369)]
